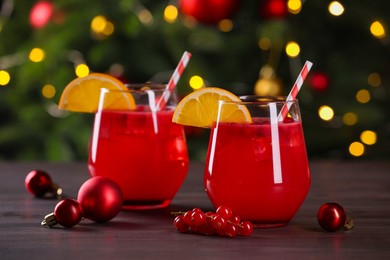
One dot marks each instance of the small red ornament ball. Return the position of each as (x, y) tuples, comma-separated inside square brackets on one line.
[(319, 81), (331, 216), (208, 11), (68, 212), (38, 183), (41, 13), (273, 9), (100, 198)]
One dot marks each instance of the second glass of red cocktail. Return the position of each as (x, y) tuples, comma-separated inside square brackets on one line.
[(259, 169)]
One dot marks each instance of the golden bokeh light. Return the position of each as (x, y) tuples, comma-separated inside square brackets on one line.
[(98, 24), (225, 25), (336, 8), (368, 137), (264, 43), (356, 149), (363, 96), (48, 91), (292, 49), (377, 30), (37, 55), (294, 6), (170, 13), (350, 119), (326, 113), (374, 79), (109, 29), (196, 82), (82, 70), (5, 78)]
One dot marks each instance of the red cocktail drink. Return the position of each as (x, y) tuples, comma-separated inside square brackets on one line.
[(261, 180), (141, 150)]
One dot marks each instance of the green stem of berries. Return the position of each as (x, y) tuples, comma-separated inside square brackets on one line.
[(222, 223)]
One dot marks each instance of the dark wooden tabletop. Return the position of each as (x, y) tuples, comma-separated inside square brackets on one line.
[(361, 187)]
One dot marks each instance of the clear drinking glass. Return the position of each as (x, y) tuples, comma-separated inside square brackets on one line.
[(260, 169), (140, 149)]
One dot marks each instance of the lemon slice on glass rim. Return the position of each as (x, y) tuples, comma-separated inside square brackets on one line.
[(83, 94), (200, 108)]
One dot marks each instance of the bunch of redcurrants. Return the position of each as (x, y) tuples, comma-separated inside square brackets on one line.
[(222, 223)]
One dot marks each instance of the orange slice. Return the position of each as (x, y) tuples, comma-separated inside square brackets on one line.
[(200, 108), (83, 94)]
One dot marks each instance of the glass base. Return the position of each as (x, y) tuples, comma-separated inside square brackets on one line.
[(145, 204), (268, 225)]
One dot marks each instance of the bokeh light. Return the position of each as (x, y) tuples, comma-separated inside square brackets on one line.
[(368, 137), (363, 96), (5, 78), (377, 30), (374, 79), (82, 70), (225, 25), (41, 13), (37, 55), (294, 6), (264, 43), (356, 149), (196, 82), (326, 113), (350, 118), (292, 49), (48, 91), (145, 17), (336, 8), (101, 26), (170, 13)]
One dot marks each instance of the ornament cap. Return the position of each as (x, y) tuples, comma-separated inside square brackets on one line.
[(56, 190), (348, 224), (49, 220)]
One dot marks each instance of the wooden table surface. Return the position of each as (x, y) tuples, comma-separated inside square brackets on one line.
[(361, 187)]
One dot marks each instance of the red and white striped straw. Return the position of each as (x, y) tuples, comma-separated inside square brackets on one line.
[(295, 90), (174, 80)]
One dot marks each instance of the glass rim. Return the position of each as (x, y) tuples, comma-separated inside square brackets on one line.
[(137, 88), (260, 100)]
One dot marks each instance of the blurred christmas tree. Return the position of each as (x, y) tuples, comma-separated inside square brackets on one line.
[(244, 46)]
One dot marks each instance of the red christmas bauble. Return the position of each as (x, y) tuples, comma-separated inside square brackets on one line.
[(208, 11), (319, 81), (100, 198), (41, 13), (68, 212), (38, 183), (273, 9), (331, 216)]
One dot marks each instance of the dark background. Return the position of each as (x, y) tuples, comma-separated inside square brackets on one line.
[(347, 58)]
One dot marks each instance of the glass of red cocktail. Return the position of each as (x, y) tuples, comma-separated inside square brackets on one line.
[(259, 169), (140, 148)]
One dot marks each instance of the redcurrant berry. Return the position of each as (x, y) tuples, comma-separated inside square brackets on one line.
[(231, 230), (224, 212), (219, 223), (235, 219), (181, 225), (245, 228), (198, 218), (187, 217)]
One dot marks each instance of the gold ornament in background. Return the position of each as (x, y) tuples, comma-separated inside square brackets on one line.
[(268, 84)]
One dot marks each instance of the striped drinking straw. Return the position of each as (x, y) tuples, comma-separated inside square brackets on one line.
[(174, 80), (295, 89)]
